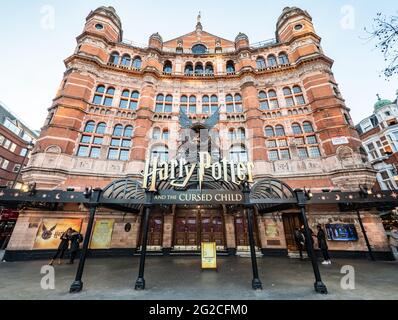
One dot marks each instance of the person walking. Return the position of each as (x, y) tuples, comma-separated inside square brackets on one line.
[(322, 244), (75, 239), (300, 241), (63, 246)]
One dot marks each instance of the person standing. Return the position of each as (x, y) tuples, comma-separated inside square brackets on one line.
[(63, 246), (300, 241), (75, 239), (321, 236)]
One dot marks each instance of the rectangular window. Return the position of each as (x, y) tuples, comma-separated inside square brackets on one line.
[(230, 108), (289, 102), (86, 139), (274, 104), (115, 142), (97, 140), (300, 100), (5, 164), (282, 143), (285, 154), (299, 141), (239, 108), (273, 155), (192, 109), (311, 140), (314, 152), (13, 147), (83, 151), (108, 102), (124, 155), (23, 152), (159, 107), (133, 105), (123, 104), (205, 109), (2, 139), (12, 127), (113, 154), (271, 144), (126, 143), (95, 152), (264, 105), (7, 144), (168, 108), (302, 152), (97, 99)]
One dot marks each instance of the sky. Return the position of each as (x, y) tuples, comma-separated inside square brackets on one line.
[(36, 36)]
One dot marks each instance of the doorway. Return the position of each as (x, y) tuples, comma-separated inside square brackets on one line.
[(291, 221), (242, 232)]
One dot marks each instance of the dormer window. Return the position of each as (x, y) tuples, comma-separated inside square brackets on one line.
[(199, 49)]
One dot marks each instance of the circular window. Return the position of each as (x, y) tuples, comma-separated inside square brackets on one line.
[(99, 26), (298, 27), (127, 227)]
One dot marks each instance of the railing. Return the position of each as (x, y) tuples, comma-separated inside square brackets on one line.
[(263, 44)]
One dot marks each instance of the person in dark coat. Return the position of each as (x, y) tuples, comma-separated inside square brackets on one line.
[(322, 243), (305, 236), (63, 246), (300, 241), (75, 239)]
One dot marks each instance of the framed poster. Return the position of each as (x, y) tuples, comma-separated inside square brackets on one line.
[(102, 235), (341, 232), (209, 255), (50, 231)]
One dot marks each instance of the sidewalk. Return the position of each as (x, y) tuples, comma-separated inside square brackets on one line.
[(181, 278)]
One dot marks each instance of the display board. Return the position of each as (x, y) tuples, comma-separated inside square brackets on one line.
[(341, 232), (209, 255), (102, 235)]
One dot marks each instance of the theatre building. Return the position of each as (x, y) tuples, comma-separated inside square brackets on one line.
[(274, 104)]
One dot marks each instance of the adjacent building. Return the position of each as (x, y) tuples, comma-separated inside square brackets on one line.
[(119, 104), (379, 134)]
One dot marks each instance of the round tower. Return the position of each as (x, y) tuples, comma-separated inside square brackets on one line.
[(241, 41), (292, 23), (156, 41), (105, 23)]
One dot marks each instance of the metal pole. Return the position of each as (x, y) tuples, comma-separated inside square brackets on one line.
[(256, 282), (365, 236), (140, 282), (77, 285), (319, 286)]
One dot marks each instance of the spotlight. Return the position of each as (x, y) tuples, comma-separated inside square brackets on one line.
[(364, 190), (325, 190), (32, 188), (69, 189), (308, 193), (87, 192)]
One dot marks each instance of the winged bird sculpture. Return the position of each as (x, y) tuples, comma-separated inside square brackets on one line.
[(187, 123)]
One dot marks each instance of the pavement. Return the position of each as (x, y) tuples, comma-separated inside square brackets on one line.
[(174, 278)]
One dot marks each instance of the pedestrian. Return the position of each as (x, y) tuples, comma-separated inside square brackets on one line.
[(75, 239), (300, 241), (305, 236), (63, 246), (323, 245)]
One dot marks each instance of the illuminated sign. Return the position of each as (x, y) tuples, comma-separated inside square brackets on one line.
[(180, 173)]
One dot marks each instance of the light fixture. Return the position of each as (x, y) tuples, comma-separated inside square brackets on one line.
[(70, 189), (308, 193)]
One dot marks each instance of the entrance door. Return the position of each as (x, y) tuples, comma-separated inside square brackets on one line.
[(242, 231), (186, 230), (291, 221), (155, 234), (212, 228)]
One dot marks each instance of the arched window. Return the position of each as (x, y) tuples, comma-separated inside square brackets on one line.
[(168, 67), (118, 130), (160, 152), (269, 131), (188, 69), (90, 143), (184, 103), (238, 154), (192, 105), (128, 132), (106, 98), (261, 65), (209, 70), (214, 103), (283, 59), (114, 58), (164, 104), (129, 101), (307, 126), (126, 60), (165, 134), (137, 62), (101, 127), (241, 134), (298, 94), (296, 129), (205, 104), (199, 69), (231, 134), (279, 131), (199, 49), (271, 61), (90, 126), (99, 95), (234, 103), (156, 133), (230, 67), (273, 99), (288, 97), (263, 98)]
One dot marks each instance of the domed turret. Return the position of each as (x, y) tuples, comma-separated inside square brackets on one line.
[(104, 21), (381, 103), (293, 22), (241, 41), (156, 41)]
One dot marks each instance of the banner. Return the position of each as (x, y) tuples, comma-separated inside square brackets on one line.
[(209, 255), (51, 230), (102, 235)]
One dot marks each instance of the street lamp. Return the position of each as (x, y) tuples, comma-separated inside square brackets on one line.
[(28, 149)]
